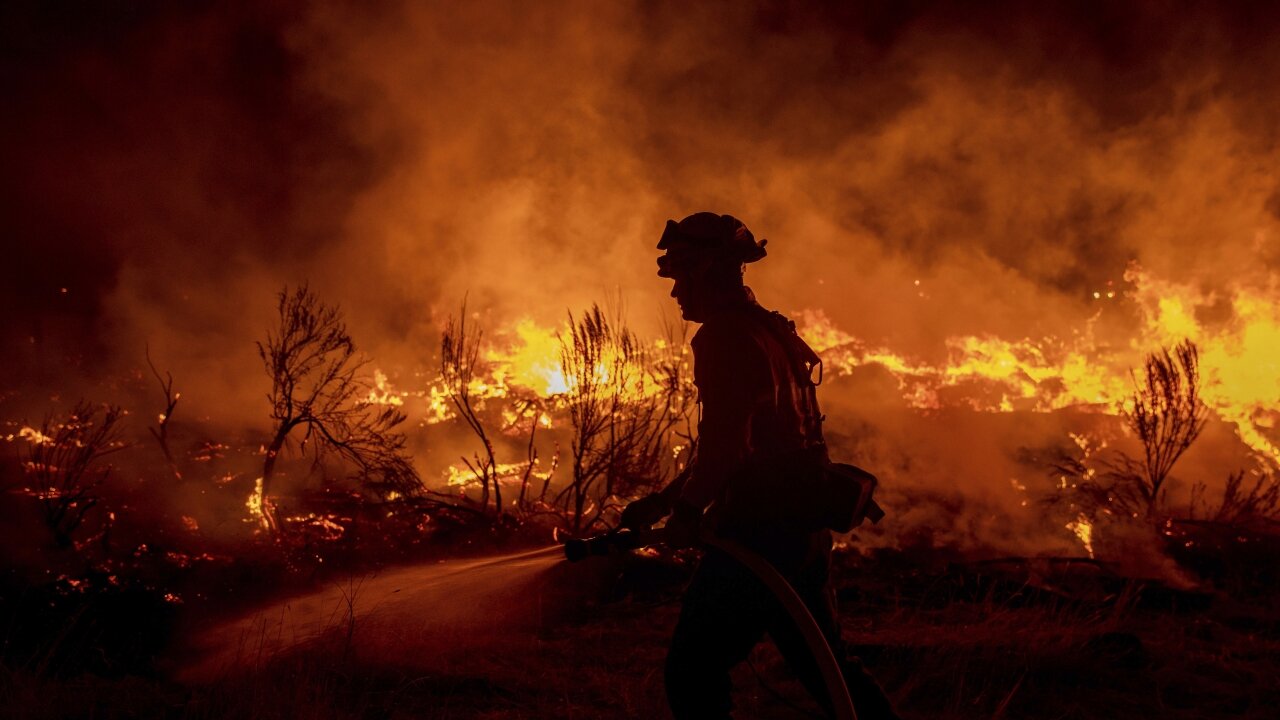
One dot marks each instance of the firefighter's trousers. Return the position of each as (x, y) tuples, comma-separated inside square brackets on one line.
[(727, 610)]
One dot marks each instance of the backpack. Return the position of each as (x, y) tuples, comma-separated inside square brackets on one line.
[(803, 491)]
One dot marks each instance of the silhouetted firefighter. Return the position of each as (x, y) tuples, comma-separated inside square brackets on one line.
[(761, 478)]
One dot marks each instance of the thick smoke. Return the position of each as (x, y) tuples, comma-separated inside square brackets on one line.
[(922, 170), (172, 168)]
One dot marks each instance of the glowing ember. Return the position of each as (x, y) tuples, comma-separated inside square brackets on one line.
[(34, 436), (323, 525)]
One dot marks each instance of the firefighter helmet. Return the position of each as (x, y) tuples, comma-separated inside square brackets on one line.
[(706, 238)]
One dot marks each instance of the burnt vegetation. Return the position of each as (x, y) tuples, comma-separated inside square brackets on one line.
[(318, 389), (160, 431), (460, 367), (1242, 503), (623, 433), (65, 466), (340, 493), (626, 411), (1123, 497), (1165, 415)]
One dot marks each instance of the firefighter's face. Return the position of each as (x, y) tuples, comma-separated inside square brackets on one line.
[(690, 293)]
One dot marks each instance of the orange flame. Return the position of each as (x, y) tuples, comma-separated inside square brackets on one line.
[(1237, 332), (1029, 375), (1083, 529), (1239, 354), (1239, 358)]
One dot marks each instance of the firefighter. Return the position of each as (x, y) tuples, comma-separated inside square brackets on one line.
[(759, 412)]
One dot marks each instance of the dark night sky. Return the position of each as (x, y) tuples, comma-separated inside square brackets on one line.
[(169, 136)]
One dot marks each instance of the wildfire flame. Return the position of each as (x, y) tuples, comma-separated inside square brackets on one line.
[(1239, 353), (1041, 376), (33, 436), (462, 477), (523, 361), (1239, 356), (1083, 529), (531, 360), (254, 505), (382, 393)]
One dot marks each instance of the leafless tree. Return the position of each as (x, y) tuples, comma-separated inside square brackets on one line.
[(459, 364), (161, 430), (551, 471), (317, 385), (62, 460), (1167, 415), (532, 409), (621, 428)]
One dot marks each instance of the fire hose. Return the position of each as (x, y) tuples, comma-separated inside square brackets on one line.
[(622, 539)]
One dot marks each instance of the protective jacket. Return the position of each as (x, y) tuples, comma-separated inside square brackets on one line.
[(760, 425)]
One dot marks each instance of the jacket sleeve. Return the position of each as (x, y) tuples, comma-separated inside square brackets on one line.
[(731, 373)]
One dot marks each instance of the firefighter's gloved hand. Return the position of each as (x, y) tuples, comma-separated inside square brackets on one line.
[(684, 526), (643, 513)]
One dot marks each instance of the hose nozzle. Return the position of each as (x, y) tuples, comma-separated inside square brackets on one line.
[(576, 549)]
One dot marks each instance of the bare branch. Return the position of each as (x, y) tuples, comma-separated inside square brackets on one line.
[(62, 461), (317, 384), (459, 365), (623, 427), (161, 431)]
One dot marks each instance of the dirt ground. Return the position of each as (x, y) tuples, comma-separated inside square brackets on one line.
[(998, 639)]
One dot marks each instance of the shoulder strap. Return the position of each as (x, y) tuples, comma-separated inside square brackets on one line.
[(802, 355), (803, 361)]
